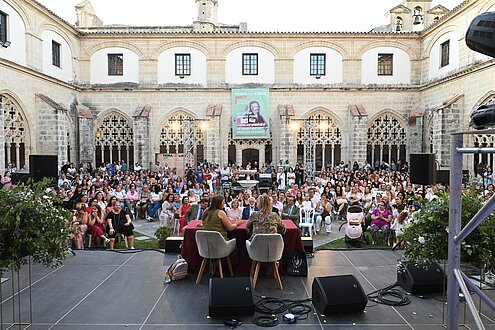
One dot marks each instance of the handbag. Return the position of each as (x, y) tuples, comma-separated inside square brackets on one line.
[(295, 263), (177, 270)]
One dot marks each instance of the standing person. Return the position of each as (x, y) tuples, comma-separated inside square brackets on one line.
[(265, 221), (216, 219), (281, 179), (299, 175), (225, 174), (119, 222)]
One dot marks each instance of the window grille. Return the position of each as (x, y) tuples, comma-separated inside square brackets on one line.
[(317, 65), (250, 64), (385, 64), (445, 53), (182, 65), (55, 53), (115, 64)]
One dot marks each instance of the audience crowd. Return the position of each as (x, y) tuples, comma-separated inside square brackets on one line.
[(107, 199)]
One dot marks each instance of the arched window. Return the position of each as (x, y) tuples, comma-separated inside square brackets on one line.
[(172, 136), (114, 140), (15, 132), (386, 140), (398, 24), (327, 139)]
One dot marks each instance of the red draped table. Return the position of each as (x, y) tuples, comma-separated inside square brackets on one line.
[(292, 242)]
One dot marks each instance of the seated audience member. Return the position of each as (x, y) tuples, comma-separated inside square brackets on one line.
[(142, 205), (291, 211), (381, 218), (277, 206), (265, 221), (80, 223), (216, 219), (131, 198), (196, 211), (234, 212), (119, 222), (154, 203), (250, 209), (398, 226), (167, 215), (182, 213), (95, 225)]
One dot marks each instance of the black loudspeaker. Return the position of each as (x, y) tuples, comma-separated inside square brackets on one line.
[(232, 296), (338, 294), (308, 244), (173, 244), (418, 280), (43, 166), (422, 169), (479, 36)]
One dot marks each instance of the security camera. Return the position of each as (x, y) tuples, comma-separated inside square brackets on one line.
[(483, 117)]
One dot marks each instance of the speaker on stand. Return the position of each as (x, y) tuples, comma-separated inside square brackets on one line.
[(422, 169), (43, 166)]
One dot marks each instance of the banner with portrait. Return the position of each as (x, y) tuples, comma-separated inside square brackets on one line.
[(251, 113)]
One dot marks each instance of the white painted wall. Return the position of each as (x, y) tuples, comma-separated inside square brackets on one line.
[(435, 71), (266, 66), (66, 70), (401, 67), (333, 66), (16, 34), (99, 66), (166, 67)]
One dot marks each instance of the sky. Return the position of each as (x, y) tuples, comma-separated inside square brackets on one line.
[(260, 15)]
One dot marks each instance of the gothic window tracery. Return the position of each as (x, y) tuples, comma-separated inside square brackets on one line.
[(172, 136), (114, 140), (327, 137), (15, 132), (386, 140)]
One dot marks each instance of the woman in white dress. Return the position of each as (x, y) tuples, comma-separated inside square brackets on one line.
[(291, 177), (281, 182)]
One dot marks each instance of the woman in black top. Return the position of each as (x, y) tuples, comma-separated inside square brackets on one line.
[(119, 222)]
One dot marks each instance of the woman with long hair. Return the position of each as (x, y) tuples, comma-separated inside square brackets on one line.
[(182, 213), (215, 218), (265, 221)]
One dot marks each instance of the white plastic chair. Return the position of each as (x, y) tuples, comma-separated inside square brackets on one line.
[(307, 219), (212, 245), (265, 248)]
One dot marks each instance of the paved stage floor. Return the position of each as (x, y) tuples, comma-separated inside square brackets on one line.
[(111, 290)]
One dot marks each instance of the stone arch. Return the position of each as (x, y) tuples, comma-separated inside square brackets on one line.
[(251, 43), (118, 44), (171, 134), (26, 18), (56, 29), (319, 43), (181, 43), (413, 53), (488, 98), (114, 137), (386, 137), (323, 110), (437, 35), (16, 131)]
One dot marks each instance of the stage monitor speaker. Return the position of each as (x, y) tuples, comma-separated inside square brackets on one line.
[(338, 294), (231, 296), (422, 169), (173, 244), (308, 244), (418, 280), (43, 166)]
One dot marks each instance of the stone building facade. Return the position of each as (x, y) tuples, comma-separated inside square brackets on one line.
[(96, 93)]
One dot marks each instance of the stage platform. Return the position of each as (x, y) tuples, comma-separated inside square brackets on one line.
[(111, 290)]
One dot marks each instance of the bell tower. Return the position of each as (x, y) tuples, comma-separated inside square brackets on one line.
[(207, 11)]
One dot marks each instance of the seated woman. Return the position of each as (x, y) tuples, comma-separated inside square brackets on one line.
[(167, 216), (80, 223), (215, 218), (234, 212), (95, 224), (265, 221), (381, 218), (119, 222), (182, 213)]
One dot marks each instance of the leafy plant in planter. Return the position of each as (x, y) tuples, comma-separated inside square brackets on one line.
[(162, 233), (428, 238), (31, 224)]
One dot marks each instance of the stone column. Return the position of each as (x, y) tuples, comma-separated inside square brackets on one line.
[(53, 127), (213, 141), (358, 138), (142, 142), (2, 139), (86, 135)]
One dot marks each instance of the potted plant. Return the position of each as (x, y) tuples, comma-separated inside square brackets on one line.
[(428, 237), (162, 233), (31, 224)]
